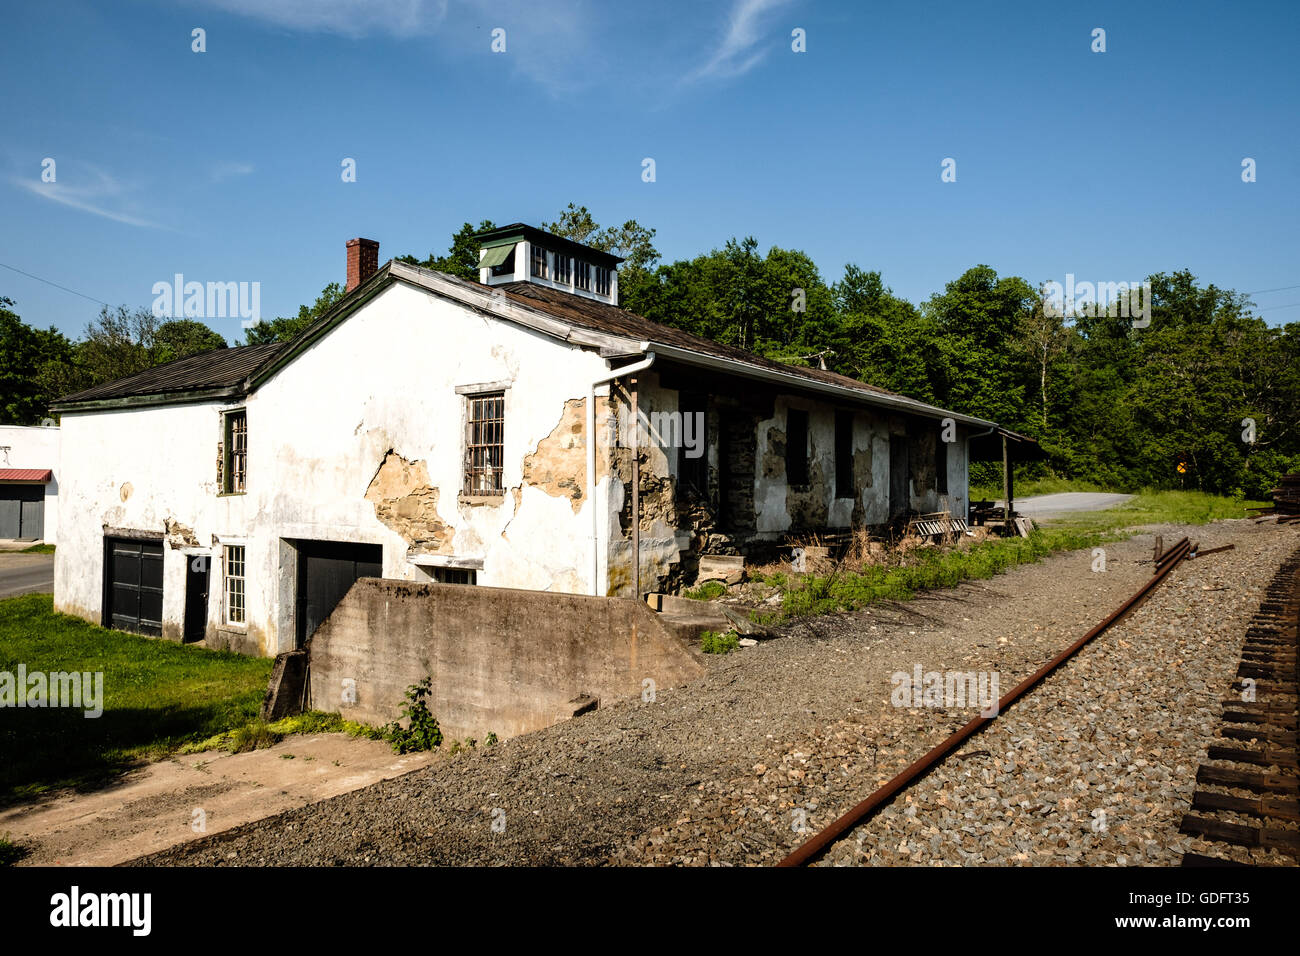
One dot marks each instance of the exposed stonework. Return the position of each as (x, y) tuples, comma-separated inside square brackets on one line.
[(179, 535), (559, 465), (407, 503)]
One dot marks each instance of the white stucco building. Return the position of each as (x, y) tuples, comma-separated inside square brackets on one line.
[(29, 483), (430, 428)]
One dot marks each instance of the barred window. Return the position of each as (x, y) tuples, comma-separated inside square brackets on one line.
[(539, 258), (582, 275), (234, 554), (563, 269), (602, 280), (232, 474), (484, 443)]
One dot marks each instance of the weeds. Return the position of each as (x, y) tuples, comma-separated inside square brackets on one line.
[(713, 643), (707, 591), (422, 731)]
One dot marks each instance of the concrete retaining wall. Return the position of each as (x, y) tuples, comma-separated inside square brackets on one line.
[(502, 660)]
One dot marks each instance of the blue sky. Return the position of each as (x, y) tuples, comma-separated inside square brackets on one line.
[(225, 165)]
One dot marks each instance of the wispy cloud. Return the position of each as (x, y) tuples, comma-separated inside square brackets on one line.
[(95, 192), (226, 170), (350, 18), (552, 43), (741, 49)]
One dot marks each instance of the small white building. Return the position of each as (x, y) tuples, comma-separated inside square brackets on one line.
[(29, 486), (430, 428)]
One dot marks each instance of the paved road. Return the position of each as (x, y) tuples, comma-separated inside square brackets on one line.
[(26, 574), (1044, 506)]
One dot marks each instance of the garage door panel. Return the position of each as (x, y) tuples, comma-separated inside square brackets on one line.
[(134, 589), (126, 567), (10, 515), (22, 511)]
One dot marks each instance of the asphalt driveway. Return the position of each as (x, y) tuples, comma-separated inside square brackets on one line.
[(26, 574), (1044, 506)]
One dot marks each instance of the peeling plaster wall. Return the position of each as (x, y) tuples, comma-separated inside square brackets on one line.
[(669, 528), (320, 433)]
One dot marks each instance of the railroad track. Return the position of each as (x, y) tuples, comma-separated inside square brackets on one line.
[(824, 839), (1248, 790)]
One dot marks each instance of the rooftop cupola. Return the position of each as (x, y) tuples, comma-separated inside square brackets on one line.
[(520, 253)]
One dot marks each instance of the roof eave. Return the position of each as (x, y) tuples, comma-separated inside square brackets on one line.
[(801, 383), (193, 396)]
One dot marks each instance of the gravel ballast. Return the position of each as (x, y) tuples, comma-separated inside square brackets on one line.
[(1095, 766)]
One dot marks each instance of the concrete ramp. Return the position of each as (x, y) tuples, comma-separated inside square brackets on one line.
[(502, 661)]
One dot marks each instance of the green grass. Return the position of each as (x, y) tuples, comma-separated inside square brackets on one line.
[(38, 549), (257, 734), (707, 591), (10, 853), (714, 643), (934, 567), (1159, 507), (158, 696)]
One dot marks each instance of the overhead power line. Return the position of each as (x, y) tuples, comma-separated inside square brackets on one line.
[(55, 284), (1281, 288)]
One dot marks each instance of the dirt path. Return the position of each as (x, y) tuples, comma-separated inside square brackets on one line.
[(190, 796)]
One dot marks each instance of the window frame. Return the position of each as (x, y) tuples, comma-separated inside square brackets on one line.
[(449, 575), (234, 587), (582, 275), (540, 260), (233, 480), (603, 276), (563, 270), (470, 487)]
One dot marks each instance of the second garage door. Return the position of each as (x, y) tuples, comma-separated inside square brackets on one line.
[(326, 570)]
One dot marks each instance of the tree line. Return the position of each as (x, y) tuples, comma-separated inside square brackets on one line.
[(1205, 396)]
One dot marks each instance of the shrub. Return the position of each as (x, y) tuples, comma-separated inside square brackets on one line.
[(706, 591), (714, 643), (422, 731)]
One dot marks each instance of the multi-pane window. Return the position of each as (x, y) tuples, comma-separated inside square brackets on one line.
[(796, 447), (484, 443), (233, 466), (602, 280), (582, 275), (563, 269), (234, 567), (541, 268), (455, 575)]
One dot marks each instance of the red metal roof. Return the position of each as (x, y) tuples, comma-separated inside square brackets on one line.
[(25, 474)]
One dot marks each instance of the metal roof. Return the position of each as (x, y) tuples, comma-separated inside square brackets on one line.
[(25, 474), (204, 371)]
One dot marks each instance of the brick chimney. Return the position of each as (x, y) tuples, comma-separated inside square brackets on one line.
[(363, 261)]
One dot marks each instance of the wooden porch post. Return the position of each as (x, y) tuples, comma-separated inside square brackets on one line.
[(1006, 482)]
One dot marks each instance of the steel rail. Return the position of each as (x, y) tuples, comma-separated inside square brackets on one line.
[(821, 841)]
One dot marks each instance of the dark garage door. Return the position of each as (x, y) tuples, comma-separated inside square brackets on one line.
[(326, 569), (134, 585), (22, 511)]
